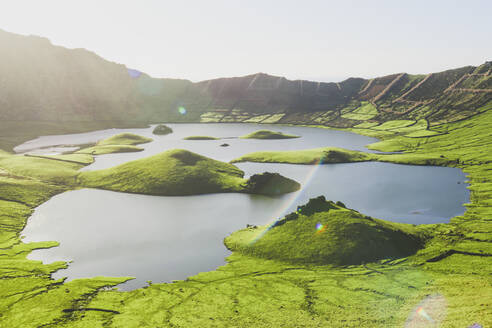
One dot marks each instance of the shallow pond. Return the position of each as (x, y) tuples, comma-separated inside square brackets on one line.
[(168, 238)]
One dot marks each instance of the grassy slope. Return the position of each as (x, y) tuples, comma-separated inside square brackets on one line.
[(181, 172), (109, 149), (200, 138), (124, 139), (267, 134), (262, 293), (120, 143), (162, 129), (336, 236), (454, 268), (330, 155), (28, 295), (174, 172), (308, 156)]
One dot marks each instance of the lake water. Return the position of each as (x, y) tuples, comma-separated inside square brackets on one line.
[(169, 238)]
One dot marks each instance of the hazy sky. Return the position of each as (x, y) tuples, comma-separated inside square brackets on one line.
[(318, 40)]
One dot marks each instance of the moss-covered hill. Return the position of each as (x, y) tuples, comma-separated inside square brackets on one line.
[(442, 116), (120, 143), (57, 98), (449, 278), (333, 155), (174, 172), (162, 129), (307, 156), (180, 172), (200, 138), (322, 232), (267, 134)]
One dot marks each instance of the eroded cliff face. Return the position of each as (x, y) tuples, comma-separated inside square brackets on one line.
[(43, 82)]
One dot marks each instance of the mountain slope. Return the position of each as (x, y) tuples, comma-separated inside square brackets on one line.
[(41, 83)]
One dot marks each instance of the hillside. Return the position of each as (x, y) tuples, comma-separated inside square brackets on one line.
[(323, 232), (180, 172), (42, 85), (440, 271)]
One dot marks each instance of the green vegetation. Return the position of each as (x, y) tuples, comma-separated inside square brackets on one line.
[(267, 134), (200, 138), (180, 172), (124, 139), (83, 159), (332, 155), (46, 170), (120, 143), (396, 124), (451, 272), (309, 156), (363, 113), (171, 173), (260, 292), (328, 234), (162, 129), (271, 184), (109, 149)]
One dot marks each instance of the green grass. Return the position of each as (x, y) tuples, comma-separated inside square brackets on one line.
[(124, 139), (389, 125), (109, 149), (308, 156), (180, 172), (162, 129), (267, 134), (271, 184), (171, 173), (77, 158), (365, 112), (120, 143), (332, 155), (42, 169), (453, 267), (366, 125), (200, 138), (336, 236)]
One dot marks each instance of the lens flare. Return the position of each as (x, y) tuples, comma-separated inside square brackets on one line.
[(320, 228), (182, 110), (429, 313), (134, 74), (421, 312), (293, 198)]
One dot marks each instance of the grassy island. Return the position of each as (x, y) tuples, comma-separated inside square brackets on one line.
[(120, 143), (162, 129), (322, 232), (333, 155), (124, 139), (200, 138), (180, 172), (267, 134), (308, 156)]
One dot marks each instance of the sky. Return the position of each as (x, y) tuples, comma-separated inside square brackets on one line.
[(321, 40)]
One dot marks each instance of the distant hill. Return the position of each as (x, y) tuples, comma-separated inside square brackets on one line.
[(42, 85)]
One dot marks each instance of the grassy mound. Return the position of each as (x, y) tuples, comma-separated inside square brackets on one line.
[(109, 149), (124, 139), (200, 138), (323, 232), (180, 172), (162, 129), (308, 156), (42, 169), (120, 143), (172, 173), (267, 134), (271, 184)]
